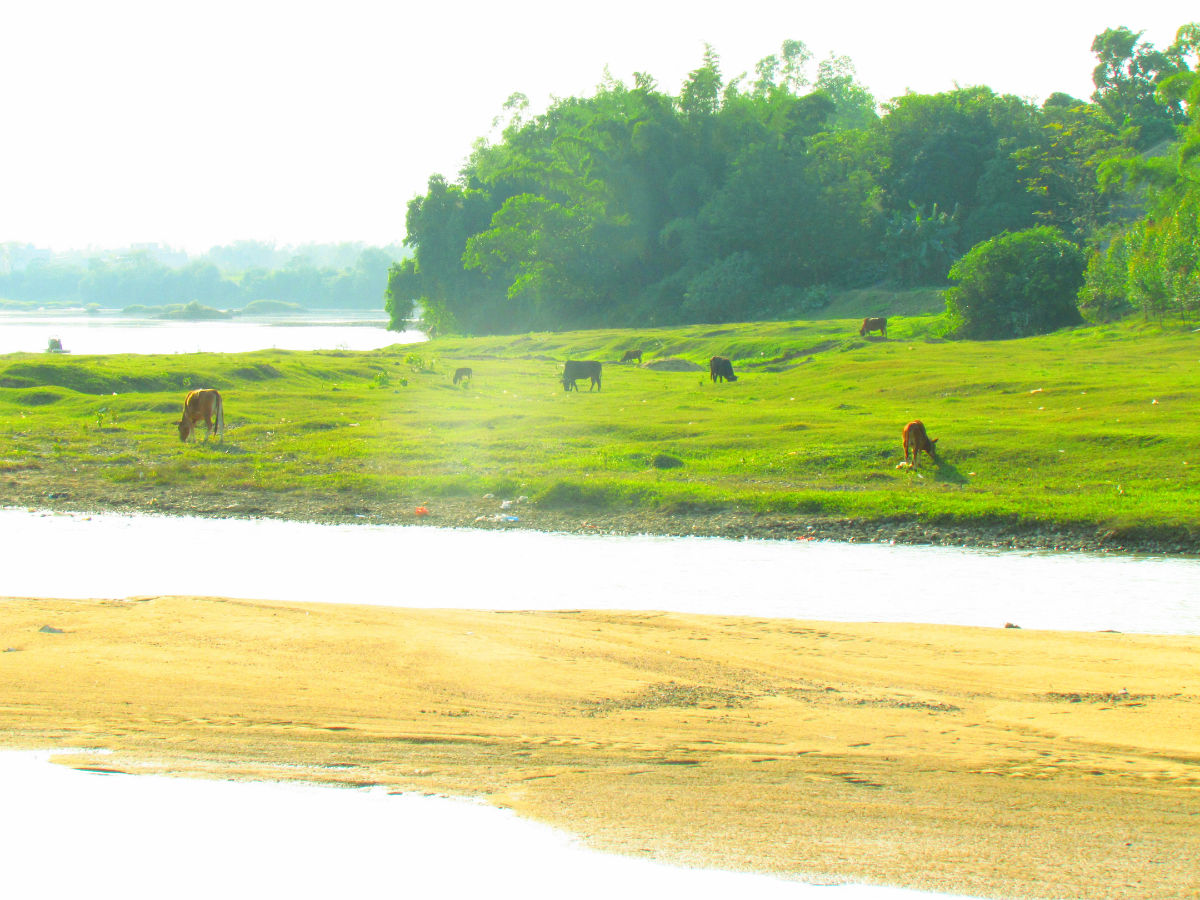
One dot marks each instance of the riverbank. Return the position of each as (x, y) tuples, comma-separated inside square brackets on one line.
[(58, 488), (996, 762)]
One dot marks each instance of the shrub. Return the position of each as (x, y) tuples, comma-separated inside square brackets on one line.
[(1015, 285)]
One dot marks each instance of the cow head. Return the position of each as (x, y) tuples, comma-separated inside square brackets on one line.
[(185, 429)]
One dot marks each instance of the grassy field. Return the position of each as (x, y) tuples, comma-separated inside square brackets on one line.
[(1091, 428)]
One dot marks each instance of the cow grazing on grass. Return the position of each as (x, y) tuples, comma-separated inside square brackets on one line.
[(632, 356), (721, 369), (462, 374), (202, 405), (916, 439), (581, 368), (873, 324)]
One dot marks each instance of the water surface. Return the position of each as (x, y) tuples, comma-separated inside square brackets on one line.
[(412, 566), (67, 833), (111, 332)]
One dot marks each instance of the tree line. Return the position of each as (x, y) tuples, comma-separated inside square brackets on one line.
[(755, 197), (317, 276)]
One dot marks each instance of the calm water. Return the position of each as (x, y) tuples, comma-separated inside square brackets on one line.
[(110, 332), (66, 833), (124, 556)]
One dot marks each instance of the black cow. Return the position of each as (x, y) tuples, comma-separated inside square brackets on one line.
[(720, 368), (462, 374), (632, 356), (584, 368)]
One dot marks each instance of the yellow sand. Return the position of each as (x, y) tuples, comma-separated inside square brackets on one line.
[(987, 761)]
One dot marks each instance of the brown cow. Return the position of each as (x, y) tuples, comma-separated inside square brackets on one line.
[(632, 356), (916, 439), (872, 323), (203, 404), (462, 374)]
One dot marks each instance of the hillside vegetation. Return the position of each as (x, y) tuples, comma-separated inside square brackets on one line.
[(1091, 428)]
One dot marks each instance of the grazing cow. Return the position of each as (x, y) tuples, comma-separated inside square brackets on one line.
[(873, 324), (462, 374), (916, 439), (584, 368), (632, 356), (720, 368), (204, 404)]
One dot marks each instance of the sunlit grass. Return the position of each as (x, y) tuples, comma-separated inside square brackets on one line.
[(1092, 426)]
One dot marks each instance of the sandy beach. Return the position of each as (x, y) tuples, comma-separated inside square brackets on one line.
[(995, 762)]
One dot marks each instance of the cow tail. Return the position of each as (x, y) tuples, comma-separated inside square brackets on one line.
[(221, 416)]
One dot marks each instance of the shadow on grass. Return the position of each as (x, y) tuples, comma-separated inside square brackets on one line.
[(949, 472)]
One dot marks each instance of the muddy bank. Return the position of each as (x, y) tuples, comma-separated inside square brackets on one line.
[(76, 492)]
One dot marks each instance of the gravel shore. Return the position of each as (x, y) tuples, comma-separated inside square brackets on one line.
[(42, 489)]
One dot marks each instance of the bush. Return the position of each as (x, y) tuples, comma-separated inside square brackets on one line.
[(1016, 285)]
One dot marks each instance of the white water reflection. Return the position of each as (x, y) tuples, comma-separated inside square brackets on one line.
[(83, 334), (123, 556), (67, 833)]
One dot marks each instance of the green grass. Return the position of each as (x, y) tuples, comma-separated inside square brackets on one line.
[(1056, 429)]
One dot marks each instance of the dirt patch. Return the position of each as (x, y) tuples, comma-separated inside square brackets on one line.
[(673, 364)]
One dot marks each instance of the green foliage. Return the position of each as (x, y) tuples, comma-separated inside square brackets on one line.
[(1155, 264), (920, 247), (729, 202), (1016, 285), (1104, 295), (1127, 78)]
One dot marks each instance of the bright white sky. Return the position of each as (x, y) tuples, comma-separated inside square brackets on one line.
[(196, 124)]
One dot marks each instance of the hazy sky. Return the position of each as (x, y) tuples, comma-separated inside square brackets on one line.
[(195, 124)]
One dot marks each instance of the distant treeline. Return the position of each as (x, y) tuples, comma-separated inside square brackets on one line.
[(316, 276), (752, 197)]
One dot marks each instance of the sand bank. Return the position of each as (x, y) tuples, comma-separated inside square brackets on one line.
[(989, 761)]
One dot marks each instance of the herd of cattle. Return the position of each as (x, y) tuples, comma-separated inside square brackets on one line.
[(205, 405)]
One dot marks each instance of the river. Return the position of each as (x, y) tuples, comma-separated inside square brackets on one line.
[(68, 833), (414, 566), (112, 332)]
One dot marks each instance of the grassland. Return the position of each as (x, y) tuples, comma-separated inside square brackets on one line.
[(1083, 438)]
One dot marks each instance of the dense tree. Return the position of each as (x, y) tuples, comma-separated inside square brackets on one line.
[(1127, 78), (749, 197), (1154, 265), (1016, 285)]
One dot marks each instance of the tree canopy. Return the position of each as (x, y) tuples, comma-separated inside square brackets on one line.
[(749, 197)]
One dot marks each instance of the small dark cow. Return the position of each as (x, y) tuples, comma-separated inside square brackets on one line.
[(202, 405), (581, 368), (873, 324), (462, 374), (916, 439), (632, 356), (721, 369)]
